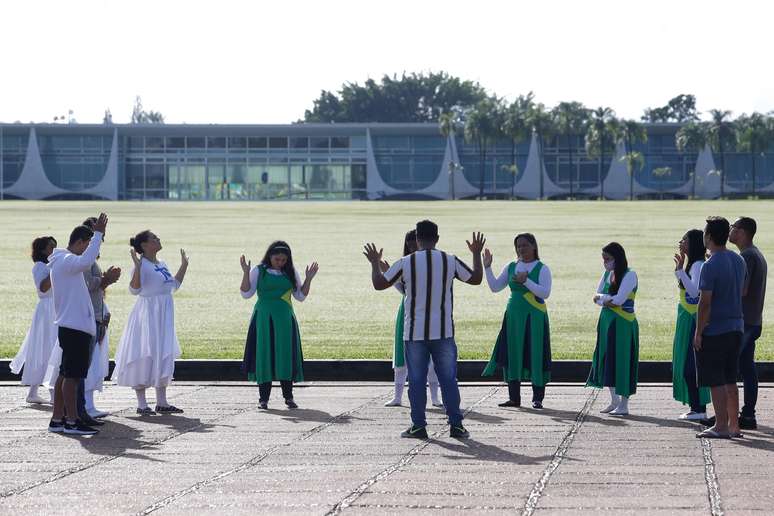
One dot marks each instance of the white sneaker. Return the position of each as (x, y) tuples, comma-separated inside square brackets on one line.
[(37, 400), (609, 408), (97, 414), (693, 416), (393, 403), (620, 411)]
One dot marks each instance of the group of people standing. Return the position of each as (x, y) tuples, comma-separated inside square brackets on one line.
[(718, 321)]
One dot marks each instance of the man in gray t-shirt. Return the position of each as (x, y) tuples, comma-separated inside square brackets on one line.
[(753, 293)]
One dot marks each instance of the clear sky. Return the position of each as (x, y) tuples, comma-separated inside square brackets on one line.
[(223, 61)]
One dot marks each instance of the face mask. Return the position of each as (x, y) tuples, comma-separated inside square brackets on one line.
[(609, 265)]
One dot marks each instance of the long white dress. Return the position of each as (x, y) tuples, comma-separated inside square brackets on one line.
[(32, 358), (148, 348)]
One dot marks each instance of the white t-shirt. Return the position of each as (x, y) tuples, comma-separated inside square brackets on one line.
[(427, 277)]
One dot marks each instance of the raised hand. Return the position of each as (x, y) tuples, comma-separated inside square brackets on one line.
[(101, 224), (111, 275), (183, 258), (135, 257), (477, 244), (487, 258), (245, 264), (311, 271), (371, 254), (384, 266), (679, 261)]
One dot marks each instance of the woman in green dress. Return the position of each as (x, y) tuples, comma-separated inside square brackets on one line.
[(273, 345), (523, 347), (685, 389), (616, 356)]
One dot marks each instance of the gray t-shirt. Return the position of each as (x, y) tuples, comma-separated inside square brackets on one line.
[(755, 284), (723, 275)]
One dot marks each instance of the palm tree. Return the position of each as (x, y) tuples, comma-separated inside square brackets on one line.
[(516, 128), (692, 137), (722, 138), (542, 123), (632, 132), (570, 119), (600, 139), (482, 127), (754, 136), (447, 125)]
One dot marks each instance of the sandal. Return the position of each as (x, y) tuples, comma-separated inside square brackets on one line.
[(147, 411), (712, 434), (169, 409)]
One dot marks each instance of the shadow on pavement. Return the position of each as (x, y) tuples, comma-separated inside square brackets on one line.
[(312, 415), (476, 450)]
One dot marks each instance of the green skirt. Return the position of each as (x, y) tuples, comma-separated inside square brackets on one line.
[(616, 357), (682, 346), (398, 353)]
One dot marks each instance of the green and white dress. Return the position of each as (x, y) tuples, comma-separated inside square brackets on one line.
[(398, 352), (616, 356), (273, 344), (523, 346), (682, 365)]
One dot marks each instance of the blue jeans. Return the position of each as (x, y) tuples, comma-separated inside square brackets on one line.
[(444, 353), (747, 369)]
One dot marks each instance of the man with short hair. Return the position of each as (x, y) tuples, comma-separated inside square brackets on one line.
[(753, 293), (428, 275), (719, 326), (74, 318)]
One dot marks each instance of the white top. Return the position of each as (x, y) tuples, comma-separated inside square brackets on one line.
[(39, 273), (628, 284), (155, 280), (691, 280), (297, 294), (427, 277), (72, 302), (541, 289)]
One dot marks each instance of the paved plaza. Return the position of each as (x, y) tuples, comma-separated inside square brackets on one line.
[(341, 453)]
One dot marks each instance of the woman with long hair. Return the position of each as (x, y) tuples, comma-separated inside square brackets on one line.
[(523, 346), (685, 388), (616, 356), (273, 344), (32, 358)]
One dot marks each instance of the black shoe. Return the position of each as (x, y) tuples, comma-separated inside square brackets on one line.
[(79, 428), (263, 405), (90, 421), (147, 411), (168, 409), (748, 423), (709, 422), (415, 432), (56, 427), (510, 403), (291, 404), (537, 405), (458, 431)]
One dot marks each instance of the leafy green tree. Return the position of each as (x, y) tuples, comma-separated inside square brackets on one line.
[(482, 127), (721, 133), (542, 123), (515, 127), (754, 136), (447, 125), (681, 109), (601, 135), (570, 119), (632, 132), (692, 137), (141, 116)]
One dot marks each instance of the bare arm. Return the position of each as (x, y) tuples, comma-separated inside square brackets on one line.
[(476, 246), (135, 285), (45, 285), (311, 272), (245, 264), (702, 317), (375, 257), (183, 267)]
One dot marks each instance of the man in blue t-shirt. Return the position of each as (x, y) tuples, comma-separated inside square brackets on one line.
[(719, 327)]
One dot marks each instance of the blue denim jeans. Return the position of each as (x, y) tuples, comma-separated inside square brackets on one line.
[(444, 353), (747, 369)]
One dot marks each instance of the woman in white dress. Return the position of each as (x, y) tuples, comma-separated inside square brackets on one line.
[(32, 358), (148, 347)]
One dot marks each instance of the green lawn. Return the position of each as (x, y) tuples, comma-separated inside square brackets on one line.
[(343, 316)]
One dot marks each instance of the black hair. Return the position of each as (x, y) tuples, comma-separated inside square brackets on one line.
[(39, 248), (427, 231), (411, 236), (281, 247), (717, 228), (90, 222), (748, 225), (694, 240), (139, 239), (80, 233), (529, 237), (618, 253)]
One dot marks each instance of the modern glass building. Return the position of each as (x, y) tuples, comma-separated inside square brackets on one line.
[(344, 161)]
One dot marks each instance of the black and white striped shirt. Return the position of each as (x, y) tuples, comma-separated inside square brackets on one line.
[(427, 276)]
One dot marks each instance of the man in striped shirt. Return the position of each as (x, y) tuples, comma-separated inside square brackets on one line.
[(428, 328)]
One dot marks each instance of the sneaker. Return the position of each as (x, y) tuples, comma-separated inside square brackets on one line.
[(79, 428), (747, 423), (291, 404), (510, 403), (537, 405), (263, 405), (393, 403), (56, 427), (609, 408), (415, 432), (693, 416), (459, 432), (97, 414), (168, 409), (147, 411)]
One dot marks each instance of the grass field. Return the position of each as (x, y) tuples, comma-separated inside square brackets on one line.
[(344, 316)]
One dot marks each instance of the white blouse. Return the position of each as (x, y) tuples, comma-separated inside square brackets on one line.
[(542, 289), (628, 284), (691, 280), (254, 274), (155, 280), (39, 273)]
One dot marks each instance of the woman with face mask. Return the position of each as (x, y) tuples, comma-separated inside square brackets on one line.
[(688, 263), (523, 347), (148, 348), (616, 356), (273, 344)]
